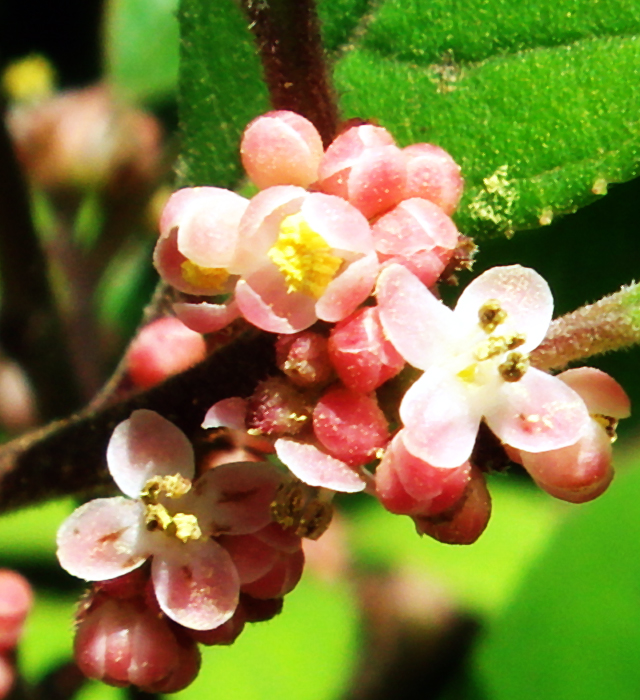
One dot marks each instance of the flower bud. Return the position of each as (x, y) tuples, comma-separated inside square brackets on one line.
[(304, 358), (276, 408), (16, 600), (433, 174)]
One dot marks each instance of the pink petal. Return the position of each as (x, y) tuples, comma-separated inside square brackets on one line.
[(196, 584), (537, 413), (147, 445), (348, 290), (252, 557), (205, 317), (260, 225), (522, 293), (440, 419), (600, 392), (103, 539), (235, 498), (281, 148), (421, 328), (342, 226), (228, 413), (264, 301), (207, 224), (316, 468), (348, 146), (433, 174)]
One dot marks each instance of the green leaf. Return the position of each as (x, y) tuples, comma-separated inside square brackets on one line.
[(523, 95), (339, 19), (307, 653), (220, 90), (573, 632), (481, 576), (141, 47)]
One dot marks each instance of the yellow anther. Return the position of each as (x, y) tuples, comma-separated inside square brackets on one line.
[(304, 257), (211, 278), (514, 367), (608, 423), (491, 315), (187, 527), (29, 79), (157, 517), (515, 340), (491, 347), (314, 519), (468, 374), (172, 486)]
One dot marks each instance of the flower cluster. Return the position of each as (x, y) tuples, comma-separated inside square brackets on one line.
[(394, 393)]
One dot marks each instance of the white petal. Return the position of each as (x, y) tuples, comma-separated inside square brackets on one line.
[(196, 584), (227, 413), (440, 418), (522, 293), (147, 445), (420, 327), (316, 468), (103, 539)]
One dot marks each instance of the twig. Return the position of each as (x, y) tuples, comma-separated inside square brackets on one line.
[(290, 45)]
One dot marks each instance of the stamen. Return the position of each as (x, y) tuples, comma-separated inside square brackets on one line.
[(211, 278), (297, 506), (514, 367), (608, 423), (304, 257), (491, 315), (172, 486), (187, 527)]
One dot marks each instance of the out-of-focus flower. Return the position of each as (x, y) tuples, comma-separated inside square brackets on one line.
[(582, 471), (476, 365), (16, 599), (170, 518)]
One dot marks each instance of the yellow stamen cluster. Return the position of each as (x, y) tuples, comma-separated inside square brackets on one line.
[(295, 507), (304, 257), (183, 526), (211, 278)]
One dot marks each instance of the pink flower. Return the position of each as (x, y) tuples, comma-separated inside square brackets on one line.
[(582, 471), (290, 256), (171, 519), (476, 366)]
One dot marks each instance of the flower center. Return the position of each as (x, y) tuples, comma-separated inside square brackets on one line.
[(183, 526), (303, 509), (304, 257), (211, 278), (495, 350)]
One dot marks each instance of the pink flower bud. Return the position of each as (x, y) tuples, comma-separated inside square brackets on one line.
[(276, 408), (466, 521), (351, 426), (362, 356), (281, 579), (281, 148), (433, 174), (257, 610), (225, 634), (304, 358), (122, 642), (16, 600), (418, 235), (163, 348), (365, 167)]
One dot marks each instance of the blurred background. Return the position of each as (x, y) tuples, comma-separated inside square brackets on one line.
[(546, 604)]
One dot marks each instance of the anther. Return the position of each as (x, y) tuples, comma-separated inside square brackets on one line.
[(514, 367), (491, 315)]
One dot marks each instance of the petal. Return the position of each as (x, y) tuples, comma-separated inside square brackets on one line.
[(235, 498), (342, 226), (440, 419), (601, 393), (348, 290), (196, 584), (522, 293), (147, 445), (206, 317), (281, 148), (420, 327), (265, 302), (537, 413), (316, 468), (103, 539), (228, 413)]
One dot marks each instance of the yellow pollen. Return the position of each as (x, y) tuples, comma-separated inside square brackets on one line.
[(211, 278), (172, 486), (608, 423), (187, 527), (514, 367), (304, 257), (183, 526), (491, 315)]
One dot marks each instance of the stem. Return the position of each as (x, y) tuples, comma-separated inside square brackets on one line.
[(30, 328), (612, 323), (68, 457), (290, 45)]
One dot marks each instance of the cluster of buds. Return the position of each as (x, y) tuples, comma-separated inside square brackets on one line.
[(356, 237)]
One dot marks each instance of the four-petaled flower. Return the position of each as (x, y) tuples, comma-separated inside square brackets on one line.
[(171, 519), (476, 365)]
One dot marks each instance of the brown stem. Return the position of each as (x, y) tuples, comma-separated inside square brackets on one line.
[(30, 328), (68, 457), (290, 45)]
